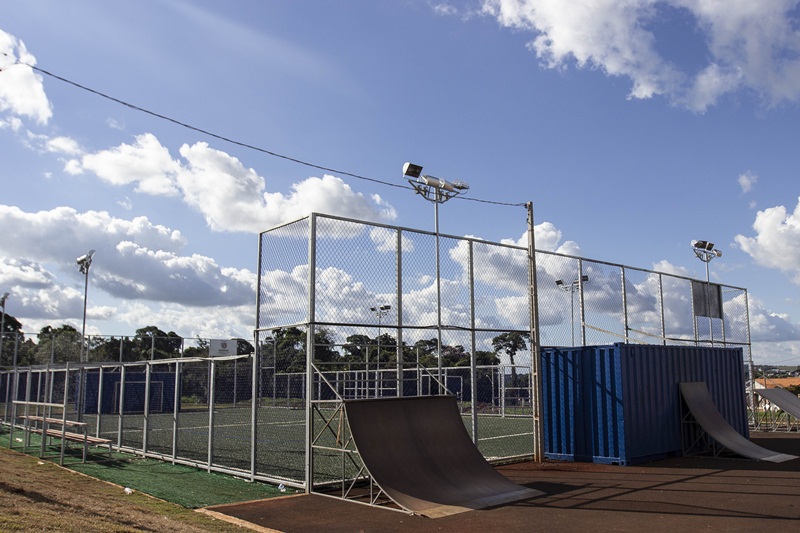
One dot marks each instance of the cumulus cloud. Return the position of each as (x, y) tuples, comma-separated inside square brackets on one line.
[(21, 89), (145, 163), (63, 145), (750, 45), (140, 260), (776, 243), (766, 326), (230, 196)]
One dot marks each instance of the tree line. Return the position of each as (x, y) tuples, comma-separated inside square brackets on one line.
[(285, 347)]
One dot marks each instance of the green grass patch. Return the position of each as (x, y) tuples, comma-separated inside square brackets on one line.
[(184, 485)]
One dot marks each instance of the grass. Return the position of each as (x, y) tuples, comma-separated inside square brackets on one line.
[(184, 485), (187, 486)]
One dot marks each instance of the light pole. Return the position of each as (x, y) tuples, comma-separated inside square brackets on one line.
[(437, 191), (380, 311), (3, 323), (705, 252), (83, 263), (571, 288)]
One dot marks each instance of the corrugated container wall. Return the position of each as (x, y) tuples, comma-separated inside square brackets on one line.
[(621, 403)]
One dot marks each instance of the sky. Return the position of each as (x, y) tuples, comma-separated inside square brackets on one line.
[(633, 126)]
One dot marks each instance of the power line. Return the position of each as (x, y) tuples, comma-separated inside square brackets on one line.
[(228, 139)]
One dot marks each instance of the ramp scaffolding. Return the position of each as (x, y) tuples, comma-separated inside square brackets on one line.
[(706, 430), (408, 454), (778, 409)]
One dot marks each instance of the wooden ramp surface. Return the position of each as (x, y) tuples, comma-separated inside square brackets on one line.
[(705, 412), (783, 399), (419, 452)]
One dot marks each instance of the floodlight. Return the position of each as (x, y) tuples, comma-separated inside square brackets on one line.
[(410, 170), (705, 251), (437, 191), (85, 261), (572, 288), (703, 245), (3, 300)]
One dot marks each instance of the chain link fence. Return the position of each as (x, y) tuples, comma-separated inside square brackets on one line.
[(356, 303), (365, 297)]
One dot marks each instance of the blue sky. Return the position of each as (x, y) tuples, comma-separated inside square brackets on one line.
[(634, 127)]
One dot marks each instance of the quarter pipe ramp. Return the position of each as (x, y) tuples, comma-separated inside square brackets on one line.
[(702, 408), (418, 451), (783, 399)]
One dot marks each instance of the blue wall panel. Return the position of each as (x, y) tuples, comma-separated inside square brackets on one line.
[(621, 403)]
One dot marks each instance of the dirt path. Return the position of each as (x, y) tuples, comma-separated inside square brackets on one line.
[(41, 496)]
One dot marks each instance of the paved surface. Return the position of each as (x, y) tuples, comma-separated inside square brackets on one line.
[(688, 493)]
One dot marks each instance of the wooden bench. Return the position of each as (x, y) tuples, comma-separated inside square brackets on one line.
[(41, 425)]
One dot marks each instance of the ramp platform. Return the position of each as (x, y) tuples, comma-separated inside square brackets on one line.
[(418, 452), (701, 406), (783, 399)]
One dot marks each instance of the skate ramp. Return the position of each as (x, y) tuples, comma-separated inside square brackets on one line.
[(419, 452), (701, 406), (782, 398)]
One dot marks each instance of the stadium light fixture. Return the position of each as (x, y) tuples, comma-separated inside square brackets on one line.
[(571, 288), (438, 191), (83, 263), (3, 321), (705, 252), (380, 311)]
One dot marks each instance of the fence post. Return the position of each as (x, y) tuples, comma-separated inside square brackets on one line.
[(211, 391), (176, 409), (146, 414)]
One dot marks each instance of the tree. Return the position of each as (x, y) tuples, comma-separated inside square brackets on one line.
[(152, 343), (486, 358), (12, 329), (426, 352), (355, 348), (58, 345), (286, 349), (510, 343)]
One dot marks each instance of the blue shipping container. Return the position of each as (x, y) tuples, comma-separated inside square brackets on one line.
[(621, 404)]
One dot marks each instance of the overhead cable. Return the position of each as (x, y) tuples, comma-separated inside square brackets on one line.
[(228, 139)]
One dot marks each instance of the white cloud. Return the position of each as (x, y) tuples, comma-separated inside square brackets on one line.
[(443, 8), (233, 198), (135, 259), (767, 326), (63, 232), (63, 145), (777, 240), (21, 89), (747, 181), (751, 45), (145, 163), (230, 196)]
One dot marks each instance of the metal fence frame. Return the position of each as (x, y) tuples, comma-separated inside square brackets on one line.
[(615, 303), (252, 417)]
